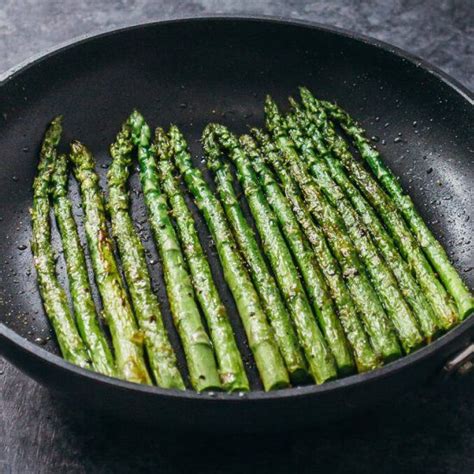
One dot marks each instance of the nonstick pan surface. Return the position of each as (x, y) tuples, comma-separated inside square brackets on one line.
[(190, 72)]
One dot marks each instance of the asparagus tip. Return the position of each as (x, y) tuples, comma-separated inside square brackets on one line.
[(76, 146), (178, 143), (293, 102), (162, 145), (57, 120), (211, 147), (208, 131), (247, 141), (305, 92)]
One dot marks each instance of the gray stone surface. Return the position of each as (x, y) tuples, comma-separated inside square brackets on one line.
[(430, 431), (440, 31)]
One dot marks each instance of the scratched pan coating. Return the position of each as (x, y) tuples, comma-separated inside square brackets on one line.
[(190, 72)]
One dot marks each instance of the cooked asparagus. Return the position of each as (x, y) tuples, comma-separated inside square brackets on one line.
[(437, 296), (53, 295), (381, 275), (87, 320), (259, 333), (432, 248), (314, 280), (231, 368), (263, 280), (145, 303), (196, 343), (365, 356), (378, 326), (217, 138), (411, 290), (126, 338)]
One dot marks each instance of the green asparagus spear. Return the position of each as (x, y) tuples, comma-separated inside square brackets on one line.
[(259, 333), (320, 360), (432, 248), (231, 367), (126, 339), (196, 343), (314, 280), (382, 337), (160, 353), (411, 251), (381, 275), (409, 287), (264, 282), (53, 295), (84, 308), (365, 356)]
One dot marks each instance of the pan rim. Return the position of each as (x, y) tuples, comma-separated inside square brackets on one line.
[(48, 358)]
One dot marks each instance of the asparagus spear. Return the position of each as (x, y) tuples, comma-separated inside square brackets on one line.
[(53, 295), (382, 337), (364, 354), (381, 275), (411, 251), (259, 333), (84, 309), (264, 282), (196, 343), (409, 287), (160, 353), (320, 360), (231, 367), (432, 248), (314, 280), (126, 339)]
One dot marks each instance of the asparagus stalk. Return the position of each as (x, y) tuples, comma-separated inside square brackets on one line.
[(196, 343), (231, 367), (432, 248), (381, 275), (314, 280), (411, 251), (407, 283), (53, 295), (382, 337), (264, 282), (320, 360), (160, 353), (364, 354), (126, 339), (84, 309), (259, 333)]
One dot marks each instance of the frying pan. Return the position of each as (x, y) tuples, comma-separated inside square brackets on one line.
[(190, 72)]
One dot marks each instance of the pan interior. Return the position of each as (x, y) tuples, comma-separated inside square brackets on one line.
[(195, 72)]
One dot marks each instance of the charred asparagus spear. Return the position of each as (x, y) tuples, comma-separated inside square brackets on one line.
[(382, 337), (364, 354), (437, 296), (217, 138), (126, 339), (407, 283), (231, 367), (53, 295), (196, 343), (380, 273), (132, 254), (259, 333), (264, 282), (314, 280), (84, 308), (432, 248)]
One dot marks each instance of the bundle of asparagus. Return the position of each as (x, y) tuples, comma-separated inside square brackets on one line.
[(333, 272)]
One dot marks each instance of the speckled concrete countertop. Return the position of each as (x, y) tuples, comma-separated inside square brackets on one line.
[(432, 430)]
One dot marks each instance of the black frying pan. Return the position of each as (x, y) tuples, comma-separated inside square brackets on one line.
[(190, 72)]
